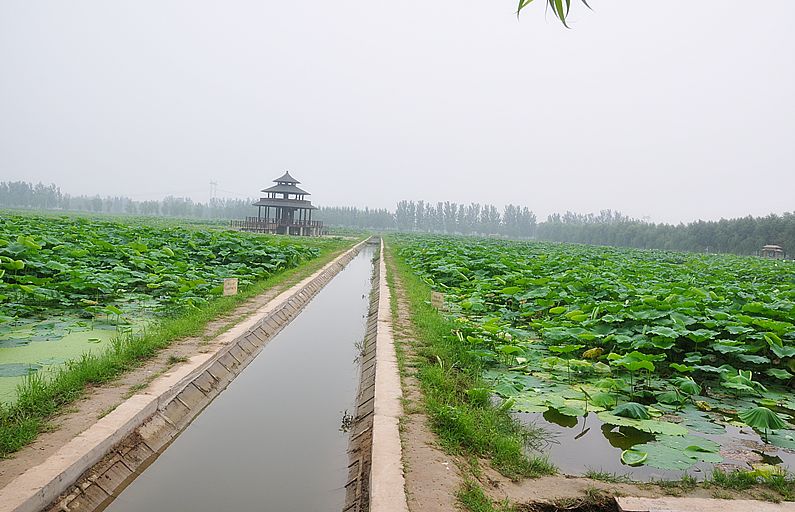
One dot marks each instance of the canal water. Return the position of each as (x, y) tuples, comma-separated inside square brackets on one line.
[(273, 440)]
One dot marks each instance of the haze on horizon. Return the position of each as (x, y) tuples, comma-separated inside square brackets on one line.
[(658, 111)]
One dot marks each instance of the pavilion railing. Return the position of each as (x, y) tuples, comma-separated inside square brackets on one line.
[(266, 225)]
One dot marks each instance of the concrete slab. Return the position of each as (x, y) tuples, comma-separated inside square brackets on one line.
[(218, 371), (387, 484), (176, 413), (193, 398), (114, 477), (238, 353), (137, 456), (699, 505), (91, 498), (205, 382), (156, 432), (229, 362)]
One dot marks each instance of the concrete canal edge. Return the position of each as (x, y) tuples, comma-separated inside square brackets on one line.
[(387, 484), (360, 442), (86, 473), (699, 505)]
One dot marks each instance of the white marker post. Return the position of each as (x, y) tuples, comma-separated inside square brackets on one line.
[(230, 286)]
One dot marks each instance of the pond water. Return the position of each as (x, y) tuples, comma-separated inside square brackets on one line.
[(45, 345), (273, 440), (578, 444)]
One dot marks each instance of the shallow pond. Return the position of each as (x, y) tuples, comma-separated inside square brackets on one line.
[(582, 443), (44, 345)]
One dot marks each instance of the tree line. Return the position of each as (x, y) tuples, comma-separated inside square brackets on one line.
[(466, 219), (744, 235), (20, 194)]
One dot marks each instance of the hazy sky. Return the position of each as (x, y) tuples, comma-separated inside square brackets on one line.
[(674, 110)]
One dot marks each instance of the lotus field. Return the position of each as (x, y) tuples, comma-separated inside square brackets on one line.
[(685, 360), (69, 284)]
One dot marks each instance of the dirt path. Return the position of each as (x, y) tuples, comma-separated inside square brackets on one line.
[(432, 476), (100, 400)]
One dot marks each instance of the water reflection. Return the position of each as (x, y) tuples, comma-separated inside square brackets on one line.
[(578, 444)]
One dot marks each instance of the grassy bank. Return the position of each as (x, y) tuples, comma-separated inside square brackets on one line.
[(40, 398), (456, 400)]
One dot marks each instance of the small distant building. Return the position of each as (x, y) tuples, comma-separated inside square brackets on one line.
[(284, 210), (772, 251)]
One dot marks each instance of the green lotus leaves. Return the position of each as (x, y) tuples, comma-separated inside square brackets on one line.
[(603, 400), (631, 410), (679, 452), (784, 438), (699, 454), (778, 373), (782, 350), (564, 349), (753, 359), (661, 427), (687, 385), (652, 327), (665, 332), (683, 368), (762, 418), (672, 397), (633, 457), (93, 267)]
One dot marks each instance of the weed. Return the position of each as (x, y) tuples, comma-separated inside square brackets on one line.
[(733, 480), (719, 494), (605, 476), (172, 360), (107, 411), (677, 487), (472, 498)]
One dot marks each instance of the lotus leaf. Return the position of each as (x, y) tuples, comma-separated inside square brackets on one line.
[(779, 374), (762, 418), (633, 457), (665, 457), (688, 386), (631, 410)]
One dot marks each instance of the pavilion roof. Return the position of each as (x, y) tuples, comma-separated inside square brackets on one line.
[(286, 189), (286, 178), (285, 203)]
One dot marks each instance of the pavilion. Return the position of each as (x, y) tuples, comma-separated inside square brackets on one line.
[(772, 251), (284, 210)]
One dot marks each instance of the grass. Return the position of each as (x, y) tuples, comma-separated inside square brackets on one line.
[(472, 498), (40, 398), (733, 480), (107, 410), (172, 360), (782, 484), (607, 477), (463, 417), (679, 487)]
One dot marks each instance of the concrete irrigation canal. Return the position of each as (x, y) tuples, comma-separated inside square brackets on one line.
[(276, 438), (284, 417)]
